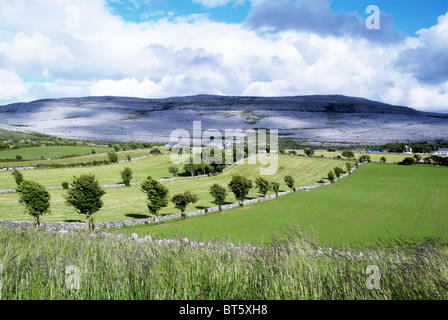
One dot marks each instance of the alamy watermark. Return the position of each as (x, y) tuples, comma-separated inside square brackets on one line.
[(72, 278), (72, 22), (373, 22), (212, 147), (374, 277)]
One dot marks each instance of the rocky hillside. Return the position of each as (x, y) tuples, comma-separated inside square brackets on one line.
[(314, 118)]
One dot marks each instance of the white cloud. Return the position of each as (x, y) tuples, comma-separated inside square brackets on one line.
[(191, 55)]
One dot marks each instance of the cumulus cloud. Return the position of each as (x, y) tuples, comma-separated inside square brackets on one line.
[(316, 16), (428, 62), (184, 55)]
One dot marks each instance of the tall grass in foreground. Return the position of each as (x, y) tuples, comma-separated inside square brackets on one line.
[(34, 267)]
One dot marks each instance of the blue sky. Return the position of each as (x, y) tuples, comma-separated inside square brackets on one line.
[(163, 48), (410, 15)]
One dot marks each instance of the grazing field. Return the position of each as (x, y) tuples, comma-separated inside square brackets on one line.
[(156, 166), (377, 201), (130, 203), (89, 158), (374, 156), (50, 151)]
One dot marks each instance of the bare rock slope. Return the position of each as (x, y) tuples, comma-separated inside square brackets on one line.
[(314, 118)]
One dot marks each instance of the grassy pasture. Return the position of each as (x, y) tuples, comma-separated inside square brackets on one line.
[(377, 201), (50, 151), (392, 157), (130, 203), (156, 166), (122, 155)]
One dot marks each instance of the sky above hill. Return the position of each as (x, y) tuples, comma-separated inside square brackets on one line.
[(162, 48)]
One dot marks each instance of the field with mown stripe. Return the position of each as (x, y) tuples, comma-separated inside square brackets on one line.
[(377, 201), (129, 203), (50, 151)]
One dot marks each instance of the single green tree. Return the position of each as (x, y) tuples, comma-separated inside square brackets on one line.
[(85, 196), (262, 185), (157, 196), (113, 157), (174, 171), (182, 200), (338, 171), (219, 193), (417, 158), (275, 186), (331, 176), (116, 147), (349, 167), (240, 186), (18, 176), (348, 154), (126, 175), (129, 157), (155, 152), (309, 152), (383, 159), (289, 182), (35, 198)]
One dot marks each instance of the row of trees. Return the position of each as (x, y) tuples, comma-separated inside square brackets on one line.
[(85, 193)]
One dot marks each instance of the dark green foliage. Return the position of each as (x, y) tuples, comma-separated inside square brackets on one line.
[(219, 193), (19, 157), (85, 196), (292, 153), (126, 175), (348, 154), (331, 176), (18, 176), (262, 185), (364, 158), (113, 157), (408, 161), (383, 159), (173, 170), (417, 158), (309, 152), (349, 167), (65, 185), (35, 198), (157, 195), (289, 181), (155, 152), (116, 147), (338, 171), (129, 157), (240, 186), (275, 186), (182, 200)]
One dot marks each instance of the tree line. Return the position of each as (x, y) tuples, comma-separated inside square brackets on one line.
[(84, 194)]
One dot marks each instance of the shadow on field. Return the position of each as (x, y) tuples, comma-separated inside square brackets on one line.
[(137, 216), (72, 221)]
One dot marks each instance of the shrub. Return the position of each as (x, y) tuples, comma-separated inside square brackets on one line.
[(113, 157), (126, 175), (65, 185), (407, 161), (19, 157)]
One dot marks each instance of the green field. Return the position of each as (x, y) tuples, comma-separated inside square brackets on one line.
[(390, 157), (130, 203), (88, 158), (377, 201), (50, 152)]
